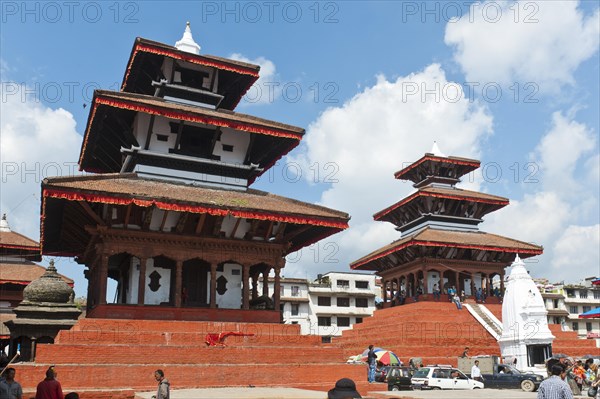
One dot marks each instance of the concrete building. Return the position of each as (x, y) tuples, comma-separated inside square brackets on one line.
[(339, 300), (565, 302), (334, 302)]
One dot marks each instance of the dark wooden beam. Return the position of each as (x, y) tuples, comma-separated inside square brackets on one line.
[(200, 223), (88, 210), (127, 214), (237, 224), (164, 220), (181, 223)]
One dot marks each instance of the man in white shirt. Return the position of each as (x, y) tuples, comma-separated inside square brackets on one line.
[(476, 372)]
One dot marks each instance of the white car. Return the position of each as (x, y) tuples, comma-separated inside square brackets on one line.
[(443, 377)]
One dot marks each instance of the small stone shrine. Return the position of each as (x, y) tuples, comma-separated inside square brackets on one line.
[(47, 308)]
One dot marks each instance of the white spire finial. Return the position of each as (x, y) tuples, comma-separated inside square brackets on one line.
[(187, 42), (4, 227), (435, 150)]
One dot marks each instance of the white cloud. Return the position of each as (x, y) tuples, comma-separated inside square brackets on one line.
[(578, 247), (561, 212), (268, 86), (506, 41), (371, 136), (35, 142)]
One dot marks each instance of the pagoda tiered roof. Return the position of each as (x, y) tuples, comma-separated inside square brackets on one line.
[(305, 223), (112, 115), (15, 244), (418, 203), (145, 61), (434, 168), (23, 273), (446, 244)]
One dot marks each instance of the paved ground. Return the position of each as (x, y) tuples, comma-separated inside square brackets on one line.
[(240, 393), (293, 393)]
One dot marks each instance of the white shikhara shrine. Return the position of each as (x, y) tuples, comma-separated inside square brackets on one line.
[(526, 336)]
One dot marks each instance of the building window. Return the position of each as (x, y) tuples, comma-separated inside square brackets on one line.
[(575, 326), (343, 322), (555, 304), (570, 293), (586, 309), (596, 294), (362, 302), (583, 294), (324, 301), (588, 327), (573, 309), (343, 302), (282, 291), (362, 284), (325, 321), (295, 290), (294, 322), (295, 309), (343, 283), (358, 320), (326, 340)]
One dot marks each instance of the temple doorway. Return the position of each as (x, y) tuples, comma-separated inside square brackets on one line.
[(195, 282)]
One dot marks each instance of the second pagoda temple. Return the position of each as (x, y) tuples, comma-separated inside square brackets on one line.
[(441, 243), (168, 213)]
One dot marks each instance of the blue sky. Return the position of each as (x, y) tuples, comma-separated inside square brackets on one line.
[(514, 84)]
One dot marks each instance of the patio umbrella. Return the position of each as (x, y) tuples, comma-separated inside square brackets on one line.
[(387, 358), (591, 314), (366, 351)]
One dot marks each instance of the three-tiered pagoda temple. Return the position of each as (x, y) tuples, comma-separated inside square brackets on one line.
[(168, 213), (441, 242)]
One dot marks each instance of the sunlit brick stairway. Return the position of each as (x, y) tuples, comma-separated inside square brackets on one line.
[(438, 332), (565, 342), (114, 358)]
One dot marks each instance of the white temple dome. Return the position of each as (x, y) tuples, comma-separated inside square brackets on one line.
[(187, 42), (435, 150), (4, 227)]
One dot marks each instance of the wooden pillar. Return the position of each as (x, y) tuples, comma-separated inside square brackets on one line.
[(502, 284), (425, 281), (277, 289), (488, 281), (265, 287), (142, 281), (473, 288), (254, 285), (178, 282), (457, 282), (103, 279), (384, 290), (213, 285), (245, 287)]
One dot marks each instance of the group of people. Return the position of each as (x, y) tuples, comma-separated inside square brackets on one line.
[(50, 387), (559, 385)]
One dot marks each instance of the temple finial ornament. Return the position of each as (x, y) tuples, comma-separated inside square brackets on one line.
[(435, 150), (4, 224), (187, 42)]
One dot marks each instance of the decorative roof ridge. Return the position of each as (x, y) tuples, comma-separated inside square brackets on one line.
[(190, 108), (99, 176), (463, 191), (215, 57)]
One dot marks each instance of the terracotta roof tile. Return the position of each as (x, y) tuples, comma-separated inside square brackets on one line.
[(131, 186), (429, 236), (10, 239), (221, 113), (23, 273), (441, 191), (4, 331)]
